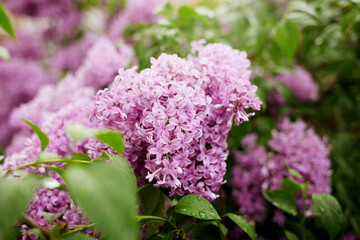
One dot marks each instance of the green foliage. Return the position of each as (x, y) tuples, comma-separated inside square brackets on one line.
[(78, 236), (114, 139), (5, 21), (15, 195), (287, 37), (106, 192), (51, 217), (197, 207), (281, 199), (327, 208), (243, 224), (44, 140)]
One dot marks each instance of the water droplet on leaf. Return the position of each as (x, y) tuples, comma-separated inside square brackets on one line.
[(203, 215)]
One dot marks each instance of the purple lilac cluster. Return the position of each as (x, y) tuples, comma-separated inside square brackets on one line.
[(64, 16), (292, 143), (134, 13), (247, 179), (176, 116), (98, 69), (17, 87), (301, 83), (71, 57)]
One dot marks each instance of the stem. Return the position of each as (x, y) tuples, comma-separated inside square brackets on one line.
[(79, 229), (38, 163), (29, 221), (222, 198)]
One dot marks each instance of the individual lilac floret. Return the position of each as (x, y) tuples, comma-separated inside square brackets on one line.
[(301, 83), (294, 144), (71, 57), (16, 87), (102, 62), (247, 179), (134, 13), (175, 129)]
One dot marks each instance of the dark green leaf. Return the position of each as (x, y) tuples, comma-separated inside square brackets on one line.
[(5, 21), (81, 156), (51, 217), (291, 235), (114, 139), (348, 19), (287, 37), (281, 199), (327, 208), (290, 186), (107, 193), (243, 224), (15, 195), (196, 206), (292, 171), (42, 136)]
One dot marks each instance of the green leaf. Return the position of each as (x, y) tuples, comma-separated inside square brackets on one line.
[(43, 156), (348, 19), (287, 37), (196, 206), (78, 236), (81, 156), (301, 6), (290, 186), (327, 208), (292, 171), (107, 193), (15, 196), (5, 21), (152, 203), (150, 219), (51, 217), (291, 235), (42, 136), (112, 138), (281, 199), (78, 131), (243, 224)]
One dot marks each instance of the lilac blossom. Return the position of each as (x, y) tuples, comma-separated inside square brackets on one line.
[(102, 62), (301, 83), (293, 143), (17, 87), (174, 118), (63, 16), (72, 56), (29, 45)]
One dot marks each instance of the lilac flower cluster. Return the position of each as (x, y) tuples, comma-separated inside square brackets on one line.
[(64, 16), (301, 83), (18, 87), (293, 143), (176, 116), (98, 69)]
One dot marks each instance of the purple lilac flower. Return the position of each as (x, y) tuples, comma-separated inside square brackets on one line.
[(18, 87), (71, 57), (28, 46), (247, 179), (102, 62), (174, 119), (301, 83), (349, 236), (63, 16), (134, 13), (293, 143)]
